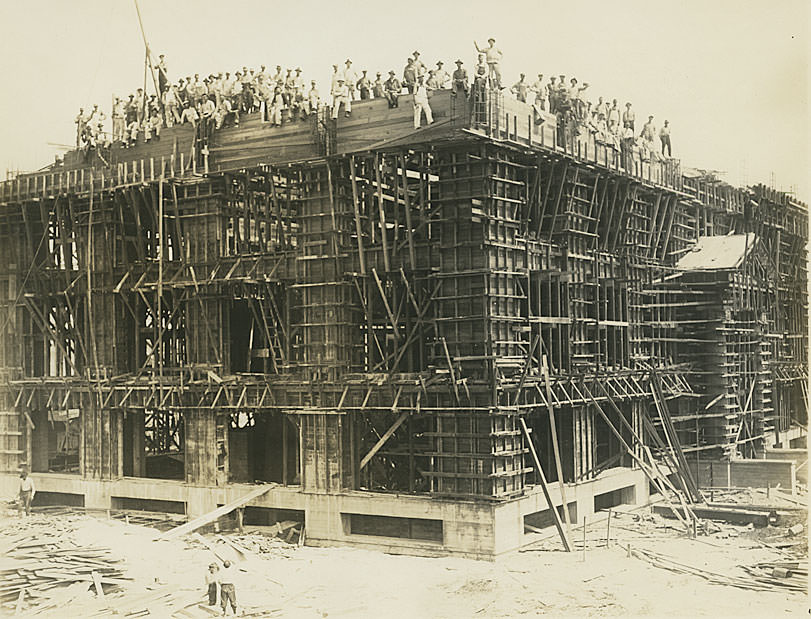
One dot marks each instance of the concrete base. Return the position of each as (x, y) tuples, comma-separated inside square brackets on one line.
[(464, 528), (745, 474)]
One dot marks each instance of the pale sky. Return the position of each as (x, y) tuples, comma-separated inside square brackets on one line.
[(731, 76)]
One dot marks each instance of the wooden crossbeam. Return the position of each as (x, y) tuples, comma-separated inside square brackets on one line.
[(386, 436)]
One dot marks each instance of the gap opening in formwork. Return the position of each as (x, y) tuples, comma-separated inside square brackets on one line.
[(620, 496), (154, 444), (67, 499), (540, 520), (263, 447), (55, 437), (423, 529), (148, 505)]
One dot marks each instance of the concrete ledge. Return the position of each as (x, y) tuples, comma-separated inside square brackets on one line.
[(798, 456)]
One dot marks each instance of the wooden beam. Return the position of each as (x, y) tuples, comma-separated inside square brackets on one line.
[(386, 436), (211, 516), (544, 486)]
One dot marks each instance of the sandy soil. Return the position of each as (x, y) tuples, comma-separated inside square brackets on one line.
[(287, 581)]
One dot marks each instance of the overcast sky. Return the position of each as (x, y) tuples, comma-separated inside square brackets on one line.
[(731, 76)]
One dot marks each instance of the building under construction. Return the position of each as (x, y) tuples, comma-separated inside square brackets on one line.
[(415, 340)]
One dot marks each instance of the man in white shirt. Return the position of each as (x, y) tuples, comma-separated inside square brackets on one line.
[(421, 104), (441, 75), (493, 55), (341, 95), (27, 492), (350, 79), (664, 137)]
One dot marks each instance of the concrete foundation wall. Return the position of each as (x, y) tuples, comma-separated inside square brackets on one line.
[(745, 474), (472, 529), (798, 456)]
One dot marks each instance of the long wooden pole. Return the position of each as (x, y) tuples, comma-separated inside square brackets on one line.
[(558, 524)]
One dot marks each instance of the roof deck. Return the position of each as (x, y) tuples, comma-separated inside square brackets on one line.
[(371, 125)]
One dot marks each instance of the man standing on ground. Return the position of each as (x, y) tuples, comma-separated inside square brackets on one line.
[(27, 492), (228, 592), (212, 582), (493, 55)]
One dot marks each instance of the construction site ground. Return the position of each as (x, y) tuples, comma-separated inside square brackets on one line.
[(164, 578)]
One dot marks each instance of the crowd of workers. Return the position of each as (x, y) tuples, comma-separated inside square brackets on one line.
[(284, 95)]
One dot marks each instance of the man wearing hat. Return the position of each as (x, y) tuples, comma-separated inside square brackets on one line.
[(212, 583), (421, 104), (392, 88), (410, 75), (648, 131), (163, 74), (540, 93), (664, 137), (418, 64), (341, 95), (313, 98), (493, 55), (378, 89), (364, 86), (350, 78), (460, 80), (628, 116), (441, 75), (520, 89)]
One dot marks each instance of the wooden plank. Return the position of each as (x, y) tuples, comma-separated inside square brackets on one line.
[(397, 423), (558, 524), (214, 514)]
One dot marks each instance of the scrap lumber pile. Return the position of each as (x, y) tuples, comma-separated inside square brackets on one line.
[(43, 567), (787, 574), (764, 576)]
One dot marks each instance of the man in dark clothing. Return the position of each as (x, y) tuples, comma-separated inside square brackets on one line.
[(460, 81), (393, 88), (410, 75)]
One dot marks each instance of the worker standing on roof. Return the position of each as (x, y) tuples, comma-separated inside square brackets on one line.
[(228, 591), (460, 80), (410, 75), (364, 86), (350, 79), (540, 93), (493, 55), (552, 95), (648, 131), (313, 98), (421, 104), (419, 65), (520, 89), (378, 89), (392, 88), (628, 117), (341, 95), (118, 119), (441, 75), (163, 74), (27, 492), (664, 137)]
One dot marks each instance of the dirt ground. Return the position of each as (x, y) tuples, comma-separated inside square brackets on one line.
[(277, 579)]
